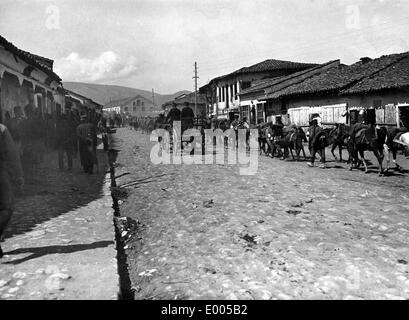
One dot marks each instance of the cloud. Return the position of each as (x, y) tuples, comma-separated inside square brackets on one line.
[(106, 66)]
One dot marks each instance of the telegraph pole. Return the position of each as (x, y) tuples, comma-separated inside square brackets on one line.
[(195, 77), (153, 98)]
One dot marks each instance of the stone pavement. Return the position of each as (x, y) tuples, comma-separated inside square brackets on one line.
[(288, 232), (61, 242)]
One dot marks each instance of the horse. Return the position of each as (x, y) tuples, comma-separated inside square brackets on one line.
[(273, 133), (397, 139), (289, 138), (367, 138), (319, 139), (293, 141), (339, 134)]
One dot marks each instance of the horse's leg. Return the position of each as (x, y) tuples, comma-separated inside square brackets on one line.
[(394, 154), (388, 156), (322, 155), (270, 148), (298, 151), (340, 151), (379, 157), (361, 153), (260, 147), (292, 154), (285, 155), (334, 145), (303, 152)]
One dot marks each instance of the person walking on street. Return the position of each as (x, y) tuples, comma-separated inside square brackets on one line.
[(87, 140), (65, 138), (11, 176), (316, 132)]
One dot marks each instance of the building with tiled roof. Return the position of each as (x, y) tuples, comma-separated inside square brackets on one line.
[(42, 63), (380, 85), (252, 99), (135, 106), (28, 79), (222, 93), (187, 100)]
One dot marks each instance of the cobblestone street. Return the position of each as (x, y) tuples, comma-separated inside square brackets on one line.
[(60, 242), (288, 232)]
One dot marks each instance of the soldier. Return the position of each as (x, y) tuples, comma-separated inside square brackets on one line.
[(102, 128), (11, 175), (65, 139), (87, 140), (32, 140), (315, 132)]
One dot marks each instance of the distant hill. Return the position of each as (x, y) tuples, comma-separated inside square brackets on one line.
[(105, 93)]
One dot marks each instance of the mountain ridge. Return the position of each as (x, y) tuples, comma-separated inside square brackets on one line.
[(103, 93)]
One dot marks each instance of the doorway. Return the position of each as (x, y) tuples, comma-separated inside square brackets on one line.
[(403, 113)]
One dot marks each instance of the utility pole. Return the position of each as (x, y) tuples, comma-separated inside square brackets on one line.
[(195, 77), (153, 98)]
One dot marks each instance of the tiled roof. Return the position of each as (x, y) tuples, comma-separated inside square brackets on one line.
[(335, 80), (270, 85), (189, 98), (272, 64), (268, 66), (44, 64), (395, 76), (75, 95)]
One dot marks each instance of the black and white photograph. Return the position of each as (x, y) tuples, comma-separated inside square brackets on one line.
[(218, 150)]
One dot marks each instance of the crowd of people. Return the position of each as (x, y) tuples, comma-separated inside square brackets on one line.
[(27, 137)]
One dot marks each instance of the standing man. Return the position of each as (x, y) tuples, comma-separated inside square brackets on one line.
[(11, 176), (65, 138), (87, 140), (314, 145)]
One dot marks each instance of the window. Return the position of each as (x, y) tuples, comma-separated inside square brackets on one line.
[(143, 104), (235, 89), (133, 103), (219, 94), (245, 112), (138, 103), (223, 93), (134, 108), (126, 109), (260, 113)]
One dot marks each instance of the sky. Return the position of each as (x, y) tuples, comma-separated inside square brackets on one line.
[(154, 44)]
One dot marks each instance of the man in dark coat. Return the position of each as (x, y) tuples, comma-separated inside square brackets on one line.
[(87, 140), (314, 145), (65, 139), (11, 176)]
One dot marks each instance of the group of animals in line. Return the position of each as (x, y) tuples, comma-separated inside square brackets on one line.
[(278, 140)]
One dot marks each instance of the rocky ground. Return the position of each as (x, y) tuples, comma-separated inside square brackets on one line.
[(60, 242), (288, 232)]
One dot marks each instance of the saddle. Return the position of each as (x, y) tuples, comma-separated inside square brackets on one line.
[(366, 135)]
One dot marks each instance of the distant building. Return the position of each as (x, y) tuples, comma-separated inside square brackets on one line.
[(84, 105), (137, 106), (186, 104)]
